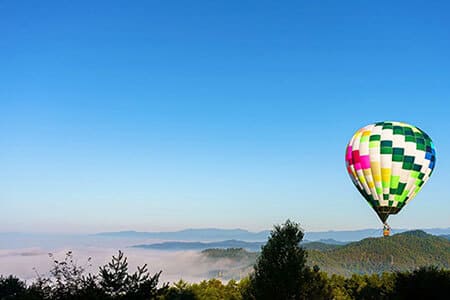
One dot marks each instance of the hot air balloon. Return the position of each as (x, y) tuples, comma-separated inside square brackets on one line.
[(389, 162)]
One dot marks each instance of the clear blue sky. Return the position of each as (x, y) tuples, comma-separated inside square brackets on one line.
[(161, 115)]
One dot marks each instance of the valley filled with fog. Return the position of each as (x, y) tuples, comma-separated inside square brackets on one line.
[(27, 255)]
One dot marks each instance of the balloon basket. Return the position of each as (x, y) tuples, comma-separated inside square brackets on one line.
[(386, 230)]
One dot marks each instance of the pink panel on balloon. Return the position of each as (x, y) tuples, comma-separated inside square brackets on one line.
[(365, 161), (356, 159), (348, 156)]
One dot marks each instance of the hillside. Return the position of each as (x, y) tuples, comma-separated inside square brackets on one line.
[(404, 251), (236, 254), (401, 252), (320, 246), (231, 263)]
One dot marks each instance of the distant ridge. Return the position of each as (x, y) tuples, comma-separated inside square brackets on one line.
[(203, 234), (446, 236), (215, 234), (177, 246), (250, 246)]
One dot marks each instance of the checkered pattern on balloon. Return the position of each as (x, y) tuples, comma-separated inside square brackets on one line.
[(389, 162)]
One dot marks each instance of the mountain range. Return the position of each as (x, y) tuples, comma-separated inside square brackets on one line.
[(249, 246), (214, 234)]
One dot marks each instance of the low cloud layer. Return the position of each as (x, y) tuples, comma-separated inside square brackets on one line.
[(27, 263)]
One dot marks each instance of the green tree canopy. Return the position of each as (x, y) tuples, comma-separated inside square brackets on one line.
[(281, 271)]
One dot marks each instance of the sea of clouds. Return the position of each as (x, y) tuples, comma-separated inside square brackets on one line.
[(27, 257)]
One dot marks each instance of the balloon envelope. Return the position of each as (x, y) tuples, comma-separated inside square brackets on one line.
[(389, 162)]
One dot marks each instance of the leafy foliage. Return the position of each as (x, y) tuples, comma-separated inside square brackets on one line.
[(424, 283), (281, 271), (117, 283), (212, 289), (11, 288)]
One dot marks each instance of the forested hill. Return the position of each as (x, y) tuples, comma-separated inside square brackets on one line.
[(400, 252)]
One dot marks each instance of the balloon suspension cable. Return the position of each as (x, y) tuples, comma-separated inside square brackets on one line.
[(386, 229)]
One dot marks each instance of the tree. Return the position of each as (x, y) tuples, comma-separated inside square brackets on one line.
[(69, 280), (117, 283), (317, 285), (423, 283), (281, 271), (180, 290), (11, 287)]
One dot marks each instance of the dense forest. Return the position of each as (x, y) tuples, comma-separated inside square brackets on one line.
[(281, 271)]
